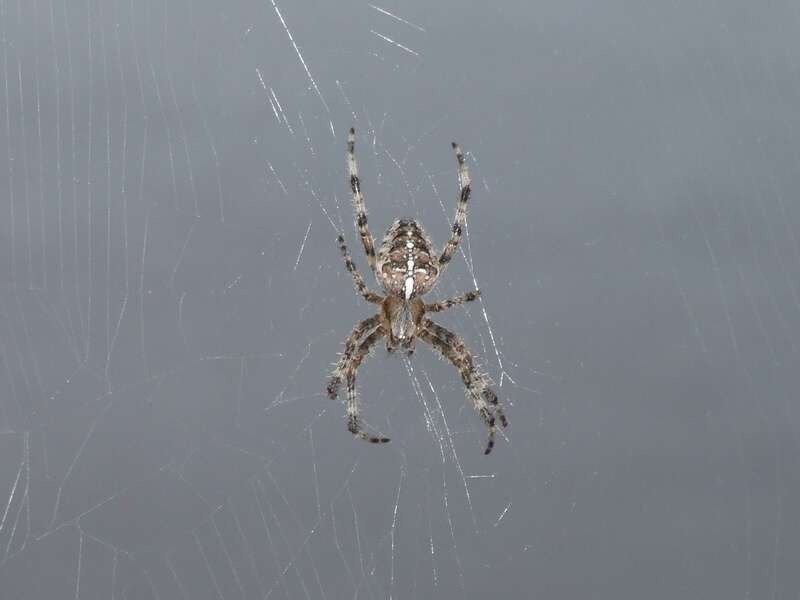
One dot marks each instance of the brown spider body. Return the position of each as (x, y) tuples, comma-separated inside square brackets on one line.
[(406, 265), (400, 319), (407, 268)]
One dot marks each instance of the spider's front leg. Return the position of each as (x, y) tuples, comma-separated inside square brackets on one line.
[(347, 354), (352, 396), (483, 397)]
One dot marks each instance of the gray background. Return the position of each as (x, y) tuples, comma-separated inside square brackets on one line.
[(171, 183)]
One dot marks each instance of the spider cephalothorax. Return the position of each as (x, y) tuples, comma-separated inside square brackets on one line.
[(407, 268)]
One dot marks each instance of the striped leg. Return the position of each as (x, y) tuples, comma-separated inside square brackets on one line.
[(347, 354), (461, 209), (358, 200), (454, 301), (483, 397), (352, 396), (358, 280)]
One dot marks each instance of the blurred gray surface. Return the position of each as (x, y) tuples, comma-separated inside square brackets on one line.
[(172, 179)]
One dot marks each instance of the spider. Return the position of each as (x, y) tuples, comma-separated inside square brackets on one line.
[(407, 268)]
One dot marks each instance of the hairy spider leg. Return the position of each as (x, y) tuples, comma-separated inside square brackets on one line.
[(461, 208), (483, 397), (358, 200), (361, 328), (451, 302), (358, 280), (352, 396)]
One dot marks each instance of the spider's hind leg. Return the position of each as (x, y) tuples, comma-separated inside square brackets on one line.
[(358, 200), (464, 184)]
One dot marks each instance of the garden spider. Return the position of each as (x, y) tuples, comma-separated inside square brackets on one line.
[(407, 268)]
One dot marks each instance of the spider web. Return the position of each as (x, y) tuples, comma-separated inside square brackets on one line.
[(172, 299)]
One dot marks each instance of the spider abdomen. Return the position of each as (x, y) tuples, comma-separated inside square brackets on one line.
[(406, 265)]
